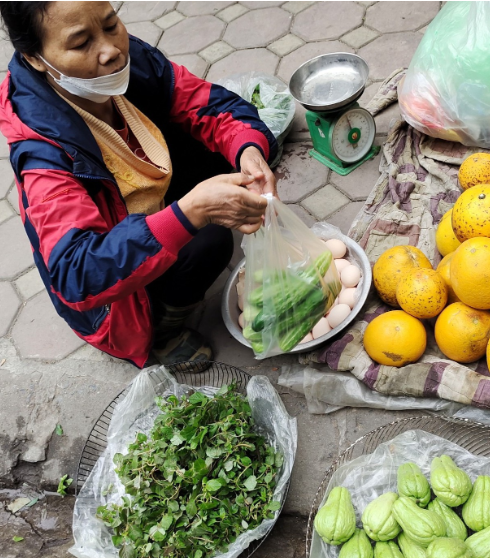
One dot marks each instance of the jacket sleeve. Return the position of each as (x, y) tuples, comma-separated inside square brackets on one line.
[(220, 119), (90, 262)]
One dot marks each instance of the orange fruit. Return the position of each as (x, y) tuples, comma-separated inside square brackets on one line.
[(474, 170), (488, 355), (462, 332), (391, 265), (444, 269), (471, 213), (422, 293), (470, 272), (446, 240), (395, 338)]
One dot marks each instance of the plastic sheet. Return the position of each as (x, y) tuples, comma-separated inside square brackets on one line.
[(290, 282), (137, 413), (369, 476), (446, 91)]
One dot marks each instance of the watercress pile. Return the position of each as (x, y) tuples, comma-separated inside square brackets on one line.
[(198, 480)]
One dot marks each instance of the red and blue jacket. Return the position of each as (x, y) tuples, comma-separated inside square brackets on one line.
[(94, 258)]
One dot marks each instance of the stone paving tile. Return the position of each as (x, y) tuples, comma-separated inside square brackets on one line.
[(191, 35), (6, 177), (131, 12), (4, 149), (358, 184), (344, 218), (146, 31), (257, 5), (293, 61), (257, 60), (299, 127), (389, 52), (202, 8), (40, 333), (298, 174), (296, 7), (216, 52), (326, 201), (6, 52), (15, 250), (232, 12), (286, 44), (194, 63), (13, 199), (389, 17), (257, 28), (301, 212), (169, 19), (6, 211), (327, 20), (359, 37), (9, 304), (29, 284)]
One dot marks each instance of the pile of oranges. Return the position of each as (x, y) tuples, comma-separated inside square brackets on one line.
[(456, 294)]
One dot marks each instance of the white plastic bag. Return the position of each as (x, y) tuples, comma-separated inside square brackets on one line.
[(446, 91), (290, 282), (369, 476), (137, 413)]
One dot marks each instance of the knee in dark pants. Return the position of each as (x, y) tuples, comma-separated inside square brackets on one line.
[(218, 248)]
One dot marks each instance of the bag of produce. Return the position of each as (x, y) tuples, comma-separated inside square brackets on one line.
[(187, 472), (446, 91), (290, 282), (271, 98)]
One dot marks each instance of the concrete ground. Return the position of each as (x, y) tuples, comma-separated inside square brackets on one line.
[(48, 376)]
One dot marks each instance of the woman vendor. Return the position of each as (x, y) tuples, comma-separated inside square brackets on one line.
[(122, 162)]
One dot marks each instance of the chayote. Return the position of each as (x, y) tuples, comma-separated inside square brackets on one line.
[(387, 550), (479, 543), (476, 511), (448, 548), (422, 526), (335, 522), (358, 546), (450, 483), (455, 528), (378, 520), (410, 548), (412, 484)]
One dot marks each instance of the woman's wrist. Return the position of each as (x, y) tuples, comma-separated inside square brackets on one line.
[(192, 211)]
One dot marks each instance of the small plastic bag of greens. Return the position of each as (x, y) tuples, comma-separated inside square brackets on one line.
[(290, 282)]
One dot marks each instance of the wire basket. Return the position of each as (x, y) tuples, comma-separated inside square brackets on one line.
[(215, 374), (472, 436)]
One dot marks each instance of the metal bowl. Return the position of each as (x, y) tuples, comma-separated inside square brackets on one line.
[(230, 310), (329, 82)]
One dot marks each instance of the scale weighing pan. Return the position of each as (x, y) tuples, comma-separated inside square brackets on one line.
[(329, 81)]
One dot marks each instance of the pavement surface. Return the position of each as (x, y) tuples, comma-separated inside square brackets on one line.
[(48, 376)]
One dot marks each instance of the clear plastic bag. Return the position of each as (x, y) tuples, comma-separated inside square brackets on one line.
[(446, 91), (137, 413), (369, 476), (290, 282)]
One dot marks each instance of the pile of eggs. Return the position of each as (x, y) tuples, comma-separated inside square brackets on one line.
[(350, 276)]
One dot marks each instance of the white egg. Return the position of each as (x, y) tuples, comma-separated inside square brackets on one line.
[(320, 328), (337, 247), (350, 276), (341, 264), (348, 296), (338, 314), (240, 287), (240, 302), (306, 339), (241, 321)]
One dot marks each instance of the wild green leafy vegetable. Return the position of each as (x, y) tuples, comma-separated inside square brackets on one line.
[(256, 100), (64, 483), (198, 480)]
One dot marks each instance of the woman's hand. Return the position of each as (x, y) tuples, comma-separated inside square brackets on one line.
[(222, 201), (253, 164)]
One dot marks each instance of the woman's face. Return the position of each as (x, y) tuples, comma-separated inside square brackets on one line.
[(82, 39)]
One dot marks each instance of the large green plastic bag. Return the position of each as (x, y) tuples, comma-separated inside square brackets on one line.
[(446, 92), (290, 282)]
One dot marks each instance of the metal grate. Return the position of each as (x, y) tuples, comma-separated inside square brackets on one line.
[(214, 374), (472, 436)]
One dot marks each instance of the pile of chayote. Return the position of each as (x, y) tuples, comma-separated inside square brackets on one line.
[(417, 522)]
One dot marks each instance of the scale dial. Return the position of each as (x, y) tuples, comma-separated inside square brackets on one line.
[(353, 135)]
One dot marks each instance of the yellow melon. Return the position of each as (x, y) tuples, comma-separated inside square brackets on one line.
[(444, 269), (474, 170), (471, 213), (422, 293), (446, 240)]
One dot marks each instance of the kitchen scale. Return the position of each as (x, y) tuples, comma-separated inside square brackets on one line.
[(342, 132)]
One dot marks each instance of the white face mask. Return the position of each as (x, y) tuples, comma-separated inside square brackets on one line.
[(98, 89)]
